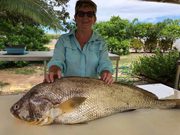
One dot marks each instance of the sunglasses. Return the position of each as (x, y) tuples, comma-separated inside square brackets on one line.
[(89, 14)]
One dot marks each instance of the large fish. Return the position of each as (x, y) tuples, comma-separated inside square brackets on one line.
[(77, 100)]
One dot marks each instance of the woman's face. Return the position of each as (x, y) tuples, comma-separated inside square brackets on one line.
[(85, 18)]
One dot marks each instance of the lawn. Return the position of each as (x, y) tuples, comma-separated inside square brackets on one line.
[(125, 74), (128, 59)]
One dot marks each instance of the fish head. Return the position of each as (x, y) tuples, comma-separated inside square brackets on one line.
[(31, 108), (20, 110)]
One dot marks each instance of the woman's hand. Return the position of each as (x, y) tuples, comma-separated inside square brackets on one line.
[(106, 76), (54, 72)]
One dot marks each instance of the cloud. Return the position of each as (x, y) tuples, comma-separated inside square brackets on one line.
[(130, 9)]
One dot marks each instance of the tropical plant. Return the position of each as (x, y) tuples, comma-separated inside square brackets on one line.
[(40, 11)]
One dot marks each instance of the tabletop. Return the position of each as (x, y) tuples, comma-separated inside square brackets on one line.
[(37, 56), (138, 122), (29, 56)]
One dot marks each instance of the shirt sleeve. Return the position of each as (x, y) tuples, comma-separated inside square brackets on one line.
[(104, 60), (58, 58)]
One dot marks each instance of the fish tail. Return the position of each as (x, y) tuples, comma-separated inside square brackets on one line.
[(177, 102), (170, 103)]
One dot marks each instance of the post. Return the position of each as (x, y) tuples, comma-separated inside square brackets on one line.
[(117, 68), (177, 75), (45, 69)]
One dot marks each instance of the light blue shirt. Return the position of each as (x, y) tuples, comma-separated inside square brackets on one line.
[(74, 61)]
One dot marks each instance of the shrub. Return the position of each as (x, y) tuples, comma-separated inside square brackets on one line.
[(12, 64), (160, 67)]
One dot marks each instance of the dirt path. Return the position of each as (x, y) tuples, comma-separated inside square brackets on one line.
[(11, 82)]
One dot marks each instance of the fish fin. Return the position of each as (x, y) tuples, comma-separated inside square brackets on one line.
[(78, 123), (46, 121), (177, 103), (144, 92), (72, 103), (129, 110)]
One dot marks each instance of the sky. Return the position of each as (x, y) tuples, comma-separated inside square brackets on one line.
[(130, 9)]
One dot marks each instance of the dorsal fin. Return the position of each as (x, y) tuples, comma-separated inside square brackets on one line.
[(145, 92), (150, 94)]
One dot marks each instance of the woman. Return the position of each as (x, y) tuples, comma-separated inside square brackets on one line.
[(81, 52)]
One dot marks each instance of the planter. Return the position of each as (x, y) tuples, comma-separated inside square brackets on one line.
[(16, 50)]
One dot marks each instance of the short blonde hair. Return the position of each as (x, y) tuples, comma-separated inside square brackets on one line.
[(85, 3)]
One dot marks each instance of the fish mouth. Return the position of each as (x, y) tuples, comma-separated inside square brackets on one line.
[(32, 121), (22, 119), (14, 113)]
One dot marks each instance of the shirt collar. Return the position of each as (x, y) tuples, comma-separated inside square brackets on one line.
[(95, 36)]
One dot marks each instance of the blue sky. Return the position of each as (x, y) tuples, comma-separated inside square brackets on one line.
[(130, 9)]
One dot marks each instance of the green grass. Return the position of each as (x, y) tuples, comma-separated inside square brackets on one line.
[(33, 68), (125, 74), (24, 71), (128, 59)]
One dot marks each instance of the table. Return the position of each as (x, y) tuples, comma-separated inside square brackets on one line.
[(30, 56), (46, 56), (138, 122), (161, 91)]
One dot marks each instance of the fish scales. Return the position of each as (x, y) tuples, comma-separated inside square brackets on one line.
[(71, 100)]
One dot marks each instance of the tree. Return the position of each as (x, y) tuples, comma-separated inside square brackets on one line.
[(29, 35), (169, 31), (40, 11), (137, 29), (116, 33), (151, 37), (120, 34), (136, 44)]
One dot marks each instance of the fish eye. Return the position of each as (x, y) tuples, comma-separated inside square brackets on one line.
[(16, 107)]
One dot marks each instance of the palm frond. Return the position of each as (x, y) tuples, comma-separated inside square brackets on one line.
[(38, 10)]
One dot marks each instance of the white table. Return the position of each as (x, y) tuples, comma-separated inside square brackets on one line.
[(161, 91), (46, 56), (138, 122)]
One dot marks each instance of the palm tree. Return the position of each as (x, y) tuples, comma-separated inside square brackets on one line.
[(37, 10)]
